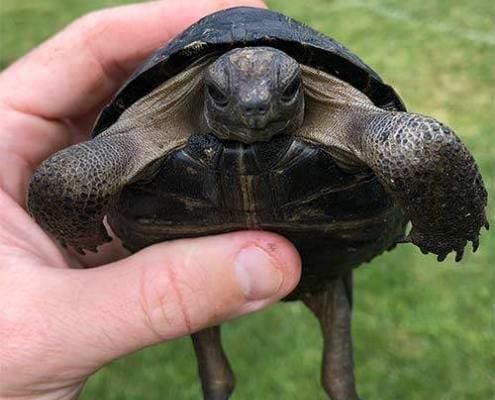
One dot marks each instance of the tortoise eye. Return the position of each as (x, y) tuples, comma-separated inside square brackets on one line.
[(218, 97), (291, 90)]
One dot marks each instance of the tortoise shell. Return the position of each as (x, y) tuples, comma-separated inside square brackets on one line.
[(243, 27), (337, 219)]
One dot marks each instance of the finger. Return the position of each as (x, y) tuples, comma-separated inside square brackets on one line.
[(26, 140), (72, 73), (166, 291), (22, 240)]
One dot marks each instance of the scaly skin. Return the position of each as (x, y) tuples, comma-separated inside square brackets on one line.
[(71, 192), (431, 174)]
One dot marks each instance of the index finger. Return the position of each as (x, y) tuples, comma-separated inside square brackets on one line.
[(82, 66)]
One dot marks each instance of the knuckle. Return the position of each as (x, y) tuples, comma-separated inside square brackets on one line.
[(165, 300), (89, 22), (96, 28)]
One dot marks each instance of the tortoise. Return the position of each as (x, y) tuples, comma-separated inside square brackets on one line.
[(252, 120)]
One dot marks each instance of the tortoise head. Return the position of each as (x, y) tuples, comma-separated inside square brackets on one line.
[(253, 94)]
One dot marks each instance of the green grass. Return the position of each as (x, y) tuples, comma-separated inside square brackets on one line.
[(422, 330)]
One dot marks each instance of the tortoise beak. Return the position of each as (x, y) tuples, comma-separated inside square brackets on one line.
[(258, 132)]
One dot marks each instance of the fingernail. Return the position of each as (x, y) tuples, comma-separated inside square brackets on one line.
[(258, 276)]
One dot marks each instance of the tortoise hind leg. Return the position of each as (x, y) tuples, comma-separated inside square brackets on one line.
[(217, 378), (332, 307)]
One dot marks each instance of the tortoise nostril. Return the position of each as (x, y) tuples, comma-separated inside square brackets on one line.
[(255, 109)]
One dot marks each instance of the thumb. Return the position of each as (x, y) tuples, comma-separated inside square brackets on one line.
[(173, 289)]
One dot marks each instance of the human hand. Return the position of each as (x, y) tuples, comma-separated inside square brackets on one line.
[(58, 325)]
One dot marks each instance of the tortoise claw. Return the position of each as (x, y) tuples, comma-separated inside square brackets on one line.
[(80, 250), (403, 239), (476, 243), (83, 245), (442, 257), (443, 245), (487, 225)]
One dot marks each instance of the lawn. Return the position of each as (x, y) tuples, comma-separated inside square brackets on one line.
[(422, 330)]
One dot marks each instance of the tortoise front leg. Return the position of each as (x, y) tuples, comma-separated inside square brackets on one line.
[(421, 163), (333, 310), (431, 174), (217, 378), (71, 192)]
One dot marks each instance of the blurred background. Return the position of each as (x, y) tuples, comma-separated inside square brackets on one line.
[(422, 330)]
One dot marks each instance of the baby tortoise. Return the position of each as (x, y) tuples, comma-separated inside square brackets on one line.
[(251, 120)]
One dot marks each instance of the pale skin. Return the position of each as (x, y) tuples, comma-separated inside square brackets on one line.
[(74, 321)]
